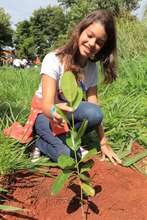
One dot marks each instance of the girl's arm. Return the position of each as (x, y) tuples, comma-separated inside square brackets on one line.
[(92, 97), (48, 94), (105, 148)]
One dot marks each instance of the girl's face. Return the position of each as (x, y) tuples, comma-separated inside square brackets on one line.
[(91, 40)]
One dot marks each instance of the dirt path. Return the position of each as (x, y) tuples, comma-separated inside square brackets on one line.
[(121, 195)]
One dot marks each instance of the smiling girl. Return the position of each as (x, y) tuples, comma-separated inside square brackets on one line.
[(92, 40)]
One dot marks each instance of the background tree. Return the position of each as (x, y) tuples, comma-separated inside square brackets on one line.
[(46, 25), (115, 6), (27, 49), (145, 13), (118, 7), (77, 11), (67, 3), (24, 43), (5, 29), (36, 36)]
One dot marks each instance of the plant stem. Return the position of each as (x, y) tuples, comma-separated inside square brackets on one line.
[(81, 193), (77, 167)]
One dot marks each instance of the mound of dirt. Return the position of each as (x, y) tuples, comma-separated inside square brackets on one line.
[(121, 194)]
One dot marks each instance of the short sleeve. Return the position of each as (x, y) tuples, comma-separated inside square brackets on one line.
[(51, 66)]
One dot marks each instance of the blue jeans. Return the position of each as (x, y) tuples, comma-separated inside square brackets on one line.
[(54, 146)]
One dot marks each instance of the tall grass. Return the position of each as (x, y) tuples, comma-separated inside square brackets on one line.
[(124, 102), (16, 89)]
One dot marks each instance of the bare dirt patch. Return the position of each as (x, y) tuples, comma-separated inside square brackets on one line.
[(121, 195)]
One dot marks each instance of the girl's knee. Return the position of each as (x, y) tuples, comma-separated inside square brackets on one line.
[(99, 115), (41, 119), (95, 115), (41, 123)]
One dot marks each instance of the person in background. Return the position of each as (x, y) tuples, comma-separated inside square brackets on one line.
[(24, 62), (17, 63), (92, 40)]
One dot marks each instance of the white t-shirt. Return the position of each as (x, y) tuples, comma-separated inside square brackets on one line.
[(52, 67), (17, 62)]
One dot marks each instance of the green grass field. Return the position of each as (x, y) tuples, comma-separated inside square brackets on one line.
[(124, 102)]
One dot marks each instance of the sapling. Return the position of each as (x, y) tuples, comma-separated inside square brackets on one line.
[(75, 166)]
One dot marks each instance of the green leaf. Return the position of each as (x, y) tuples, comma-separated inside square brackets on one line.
[(51, 164), (69, 86), (78, 98), (62, 114), (60, 181), (87, 166), (123, 153), (82, 129), (131, 160), (71, 140), (84, 177), (144, 140), (88, 189), (89, 155), (3, 190), (45, 162), (65, 161), (77, 140), (10, 208)]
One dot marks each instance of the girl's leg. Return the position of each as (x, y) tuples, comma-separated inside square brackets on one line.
[(87, 111), (54, 146), (49, 144)]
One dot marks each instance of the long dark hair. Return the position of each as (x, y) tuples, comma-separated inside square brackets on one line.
[(107, 55)]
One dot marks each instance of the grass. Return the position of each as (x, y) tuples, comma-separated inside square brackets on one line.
[(124, 102), (17, 88)]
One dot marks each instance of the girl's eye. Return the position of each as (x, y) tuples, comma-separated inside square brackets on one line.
[(89, 35), (100, 43)]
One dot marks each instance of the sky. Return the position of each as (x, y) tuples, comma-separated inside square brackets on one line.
[(140, 11), (22, 9)]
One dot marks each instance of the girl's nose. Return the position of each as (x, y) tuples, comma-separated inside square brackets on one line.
[(92, 42)]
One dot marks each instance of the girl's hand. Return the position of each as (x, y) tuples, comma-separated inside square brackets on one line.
[(56, 117), (108, 152)]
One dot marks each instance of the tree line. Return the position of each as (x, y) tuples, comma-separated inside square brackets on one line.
[(48, 27)]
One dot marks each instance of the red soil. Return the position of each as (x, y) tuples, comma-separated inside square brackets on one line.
[(121, 195)]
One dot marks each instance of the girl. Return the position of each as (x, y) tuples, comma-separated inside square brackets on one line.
[(92, 40)]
